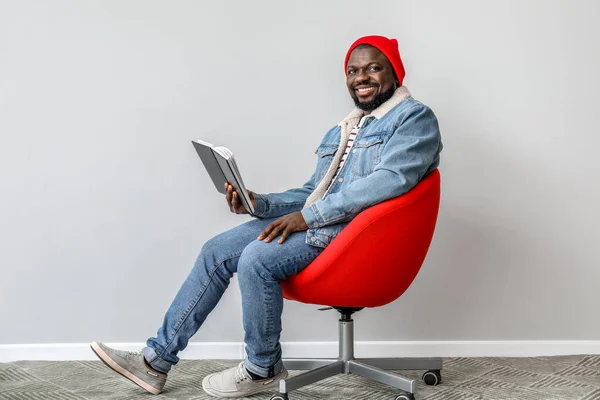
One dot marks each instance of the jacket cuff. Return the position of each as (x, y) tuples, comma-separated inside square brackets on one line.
[(262, 206), (312, 217)]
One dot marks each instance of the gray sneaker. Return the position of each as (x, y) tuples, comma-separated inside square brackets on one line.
[(132, 366), (236, 382)]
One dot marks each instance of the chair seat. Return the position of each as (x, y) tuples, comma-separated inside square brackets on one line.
[(376, 256)]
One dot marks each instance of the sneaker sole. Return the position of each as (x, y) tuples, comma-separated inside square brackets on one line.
[(105, 358), (215, 393)]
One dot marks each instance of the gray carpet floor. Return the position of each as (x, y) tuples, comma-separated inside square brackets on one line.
[(539, 378)]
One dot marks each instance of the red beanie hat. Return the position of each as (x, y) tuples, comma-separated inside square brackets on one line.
[(389, 47)]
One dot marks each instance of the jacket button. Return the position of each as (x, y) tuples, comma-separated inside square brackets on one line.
[(312, 239), (340, 180), (315, 225)]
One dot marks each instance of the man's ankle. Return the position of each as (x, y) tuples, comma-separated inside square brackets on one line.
[(150, 367), (255, 377)]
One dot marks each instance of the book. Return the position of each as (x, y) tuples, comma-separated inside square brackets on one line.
[(221, 167)]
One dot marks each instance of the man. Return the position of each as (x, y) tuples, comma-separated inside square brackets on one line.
[(387, 144)]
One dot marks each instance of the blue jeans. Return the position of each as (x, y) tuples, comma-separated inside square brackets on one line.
[(260, 267)]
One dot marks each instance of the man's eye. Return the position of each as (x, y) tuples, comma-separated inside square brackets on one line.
[(374, 68), (351, 72)]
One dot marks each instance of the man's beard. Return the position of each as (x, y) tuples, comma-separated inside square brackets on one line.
[(379, 99)]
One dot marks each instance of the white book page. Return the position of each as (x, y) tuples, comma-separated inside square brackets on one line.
[(224, 151), (238, 177), (228, 155)]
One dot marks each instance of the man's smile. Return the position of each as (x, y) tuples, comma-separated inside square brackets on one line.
[(364, 91)]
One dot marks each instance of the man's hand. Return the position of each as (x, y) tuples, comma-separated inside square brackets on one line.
[(285, 226), (233, 199)]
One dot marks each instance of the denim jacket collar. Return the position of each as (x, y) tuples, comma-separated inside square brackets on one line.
[(399, 95), (352, 119)]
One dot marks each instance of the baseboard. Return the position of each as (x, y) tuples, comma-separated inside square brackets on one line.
[(235, 350), (82, 351)]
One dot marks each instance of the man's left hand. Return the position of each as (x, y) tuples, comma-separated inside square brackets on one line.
[(285, 226)]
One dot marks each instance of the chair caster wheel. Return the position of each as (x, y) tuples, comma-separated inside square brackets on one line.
[(280, 396), (407, 396), (432, 378)]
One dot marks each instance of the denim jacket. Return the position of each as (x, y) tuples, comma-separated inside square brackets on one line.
[(399, 144)]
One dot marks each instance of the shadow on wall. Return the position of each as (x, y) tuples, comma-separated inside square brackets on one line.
[(491, 270), (493, 267)]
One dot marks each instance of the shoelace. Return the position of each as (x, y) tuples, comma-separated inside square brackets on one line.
[(240, 374)]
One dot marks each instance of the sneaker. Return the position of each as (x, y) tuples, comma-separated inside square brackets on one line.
[(236, 382), (131, 365)]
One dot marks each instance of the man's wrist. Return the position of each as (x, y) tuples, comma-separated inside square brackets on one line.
[(303, 224)]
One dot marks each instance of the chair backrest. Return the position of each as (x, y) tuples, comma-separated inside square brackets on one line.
[(376, 256)]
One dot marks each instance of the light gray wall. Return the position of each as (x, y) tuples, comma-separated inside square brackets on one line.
[(105, 205)]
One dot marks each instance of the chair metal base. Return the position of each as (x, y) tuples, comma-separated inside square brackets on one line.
[(372, 368)]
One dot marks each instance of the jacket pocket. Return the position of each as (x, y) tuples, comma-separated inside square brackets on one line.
[(367, 154), (325, 153)]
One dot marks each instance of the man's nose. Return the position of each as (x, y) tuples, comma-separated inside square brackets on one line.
[(361, 76)]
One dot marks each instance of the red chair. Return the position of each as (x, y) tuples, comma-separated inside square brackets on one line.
[(369, 264)]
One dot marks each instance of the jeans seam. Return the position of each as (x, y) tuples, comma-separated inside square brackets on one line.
[(269, 297), (193, 304), (270, 318)]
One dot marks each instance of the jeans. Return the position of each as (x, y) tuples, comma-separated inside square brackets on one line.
[(260, 267)]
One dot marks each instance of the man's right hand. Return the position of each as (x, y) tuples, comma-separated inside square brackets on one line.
[(233, 200)]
